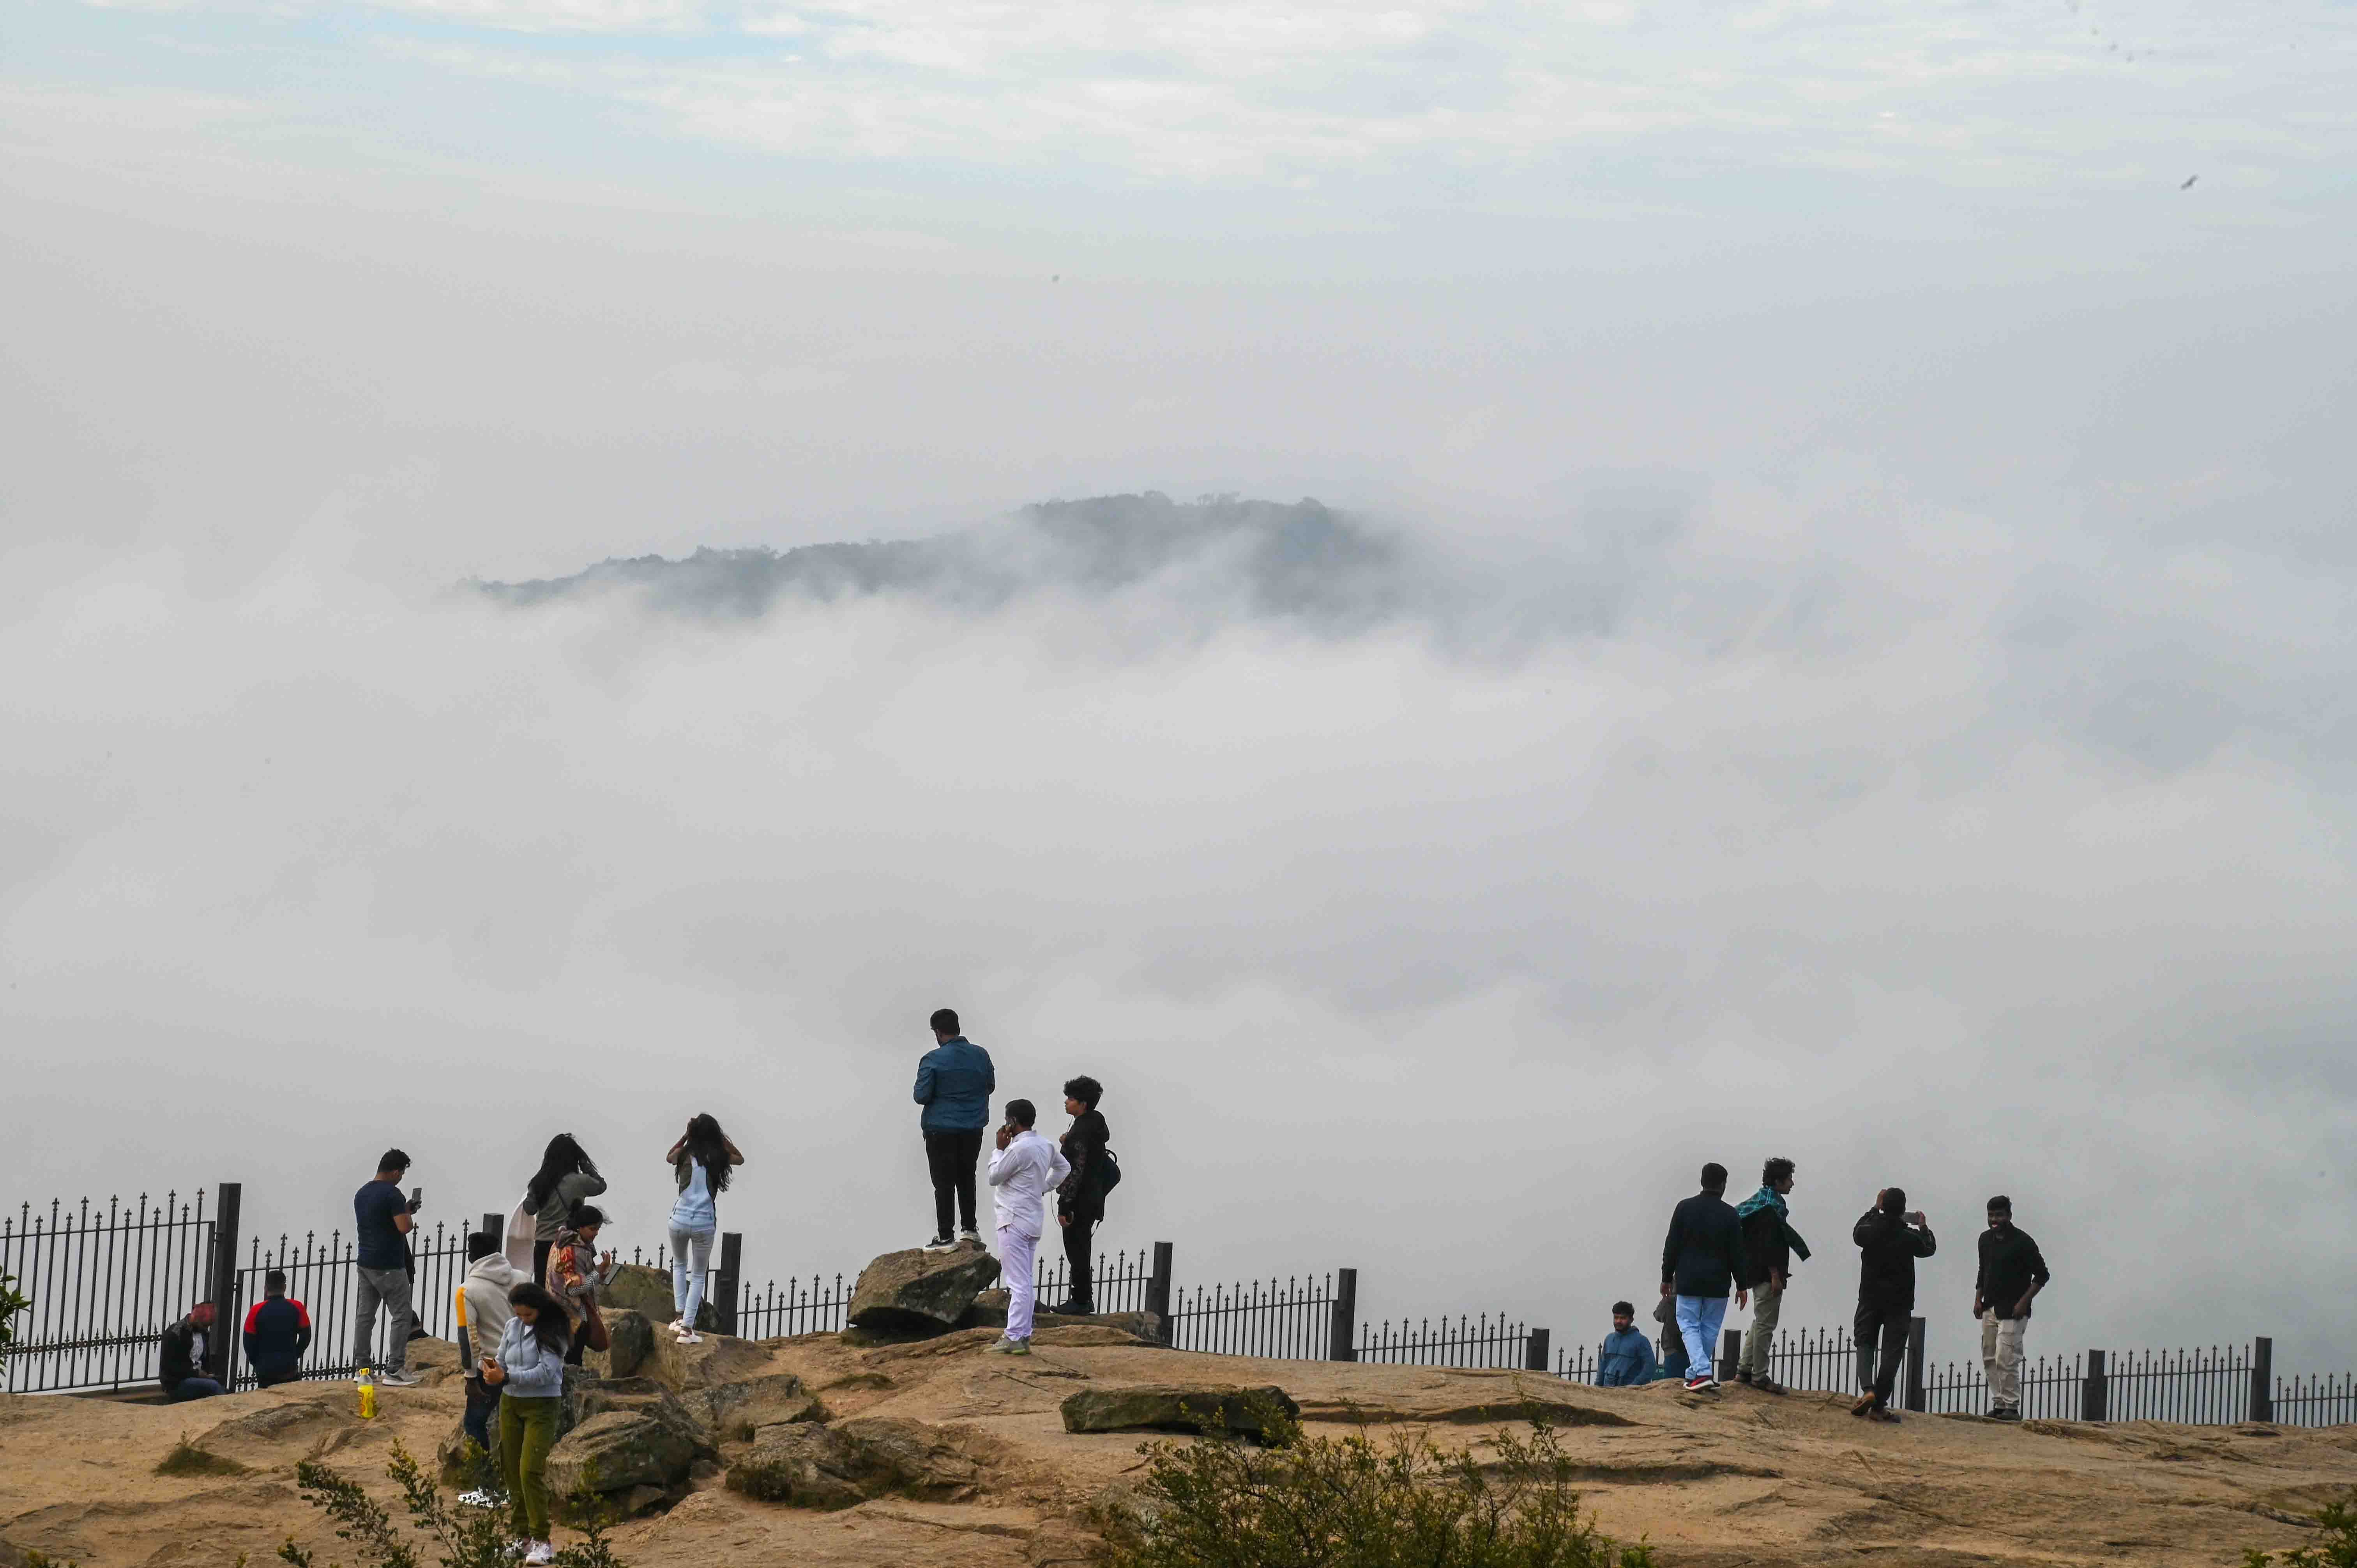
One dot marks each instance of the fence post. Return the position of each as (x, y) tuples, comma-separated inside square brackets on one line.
[(1534, 1351), (495, 1226), (2263, 1371), (1340, 1339), (224, 1284), (1915, 1363), (1731, 1353), (2094, 1392), (1158, 1288), (732, 1256)]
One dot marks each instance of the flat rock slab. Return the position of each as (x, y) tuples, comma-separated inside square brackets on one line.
[(617, 1451), (714, 1360), (1175, 1407), (921, 1292)]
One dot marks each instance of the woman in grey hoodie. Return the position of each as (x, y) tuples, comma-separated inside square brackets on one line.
[(529, 1372), (567, 1175)]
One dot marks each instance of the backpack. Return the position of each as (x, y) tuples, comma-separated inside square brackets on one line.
[(1108, 1173)]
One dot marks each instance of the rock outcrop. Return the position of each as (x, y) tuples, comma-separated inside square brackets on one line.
[(715, 1360), (1177, 1407), (645, 1291), (918, 1291), (807, 1467)]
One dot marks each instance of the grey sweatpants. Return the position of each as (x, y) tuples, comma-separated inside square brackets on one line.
[(389, 1289)]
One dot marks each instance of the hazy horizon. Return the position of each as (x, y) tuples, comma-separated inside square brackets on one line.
[(1472, 607)]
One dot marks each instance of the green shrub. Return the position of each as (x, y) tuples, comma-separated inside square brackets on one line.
[(2337, 1550), (187, 1459), (11, 1304), (1352, 1502)]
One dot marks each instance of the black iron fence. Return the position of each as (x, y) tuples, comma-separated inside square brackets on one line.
[(106, 1282), (1466, 1342)]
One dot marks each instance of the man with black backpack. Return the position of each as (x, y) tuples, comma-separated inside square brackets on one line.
[(1079, 1201)]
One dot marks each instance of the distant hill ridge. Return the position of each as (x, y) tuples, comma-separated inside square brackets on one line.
[(1299, 561)]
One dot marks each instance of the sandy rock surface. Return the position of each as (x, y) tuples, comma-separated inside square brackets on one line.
[(963, 1458)]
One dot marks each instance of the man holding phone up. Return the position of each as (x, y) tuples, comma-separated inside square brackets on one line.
[(382, 1217), (1024, 1170)]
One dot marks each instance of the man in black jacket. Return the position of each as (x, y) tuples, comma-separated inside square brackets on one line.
[(181, 1355), (1700, 1259), (1080, 1200), (1889, 1239), (2013, 1270)]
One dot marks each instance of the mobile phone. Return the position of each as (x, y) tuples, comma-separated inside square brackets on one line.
[(416, 1196)]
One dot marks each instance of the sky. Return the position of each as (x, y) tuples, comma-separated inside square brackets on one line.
[(1785, 589)]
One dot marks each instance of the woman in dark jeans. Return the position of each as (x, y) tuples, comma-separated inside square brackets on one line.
[(1079, 1201)]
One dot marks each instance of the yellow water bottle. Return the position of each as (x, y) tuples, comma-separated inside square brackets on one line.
[(368, 1395)]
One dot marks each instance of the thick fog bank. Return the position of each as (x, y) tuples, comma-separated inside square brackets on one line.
[(1430, 909)]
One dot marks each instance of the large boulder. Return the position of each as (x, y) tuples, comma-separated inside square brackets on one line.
[(808, 1466), (645, 1397), (920, 1292), (733, 1412), (909, 1456), (431, 1361), (638, 1288), (618, 1452), (1178, 1407), (629, 1342)]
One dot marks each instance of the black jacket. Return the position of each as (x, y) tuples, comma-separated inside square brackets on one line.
[(1888, 1246), (177, 1360), (1082, 1195), (1768, 1239), (1704, 1251), (2010, 1264)]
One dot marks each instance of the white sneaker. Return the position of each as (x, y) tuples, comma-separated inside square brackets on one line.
[(970, 1234), (542, 1551), (478, 1498), (690, 1337), (677, 1324), (397, 1379)]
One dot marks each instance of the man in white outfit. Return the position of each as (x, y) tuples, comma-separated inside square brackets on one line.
[(1024, 1171)]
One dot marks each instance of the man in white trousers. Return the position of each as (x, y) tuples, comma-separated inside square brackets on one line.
[(1026, 1168)]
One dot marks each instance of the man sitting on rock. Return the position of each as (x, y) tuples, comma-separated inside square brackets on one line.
[(1026, 1168), (186, 1348), (1626, 1356)]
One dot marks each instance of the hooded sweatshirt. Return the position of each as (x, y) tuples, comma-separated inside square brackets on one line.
[(1081, 1194), (535, 1371), (488, 1280), (1769, 1239), (1624, 1359), (572, 1188)]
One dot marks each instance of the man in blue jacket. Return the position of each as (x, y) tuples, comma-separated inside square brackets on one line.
[(955, 1083), (1626, 1356)]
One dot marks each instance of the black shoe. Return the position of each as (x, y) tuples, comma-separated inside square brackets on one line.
[(939, 1244), (2002, 1414), (1071, 1309), (1743, 1375)]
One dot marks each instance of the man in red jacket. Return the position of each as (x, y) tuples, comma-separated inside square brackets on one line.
[(277, 1332)]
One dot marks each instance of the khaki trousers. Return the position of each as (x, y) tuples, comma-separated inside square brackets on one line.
[(1766, 1306)]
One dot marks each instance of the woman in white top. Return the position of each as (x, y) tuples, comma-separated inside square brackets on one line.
[(701, 1162)]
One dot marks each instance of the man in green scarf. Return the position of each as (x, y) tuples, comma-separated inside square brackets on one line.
[(1769, 1244)]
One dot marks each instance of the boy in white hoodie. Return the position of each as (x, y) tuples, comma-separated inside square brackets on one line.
[(1026, 1168)]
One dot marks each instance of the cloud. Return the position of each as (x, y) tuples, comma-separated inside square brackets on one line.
[(1498, 888)]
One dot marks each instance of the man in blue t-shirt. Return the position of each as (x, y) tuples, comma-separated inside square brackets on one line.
[(382, 1217)]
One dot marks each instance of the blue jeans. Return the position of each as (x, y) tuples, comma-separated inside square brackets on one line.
[(1699, 1318), (188, 1389)]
